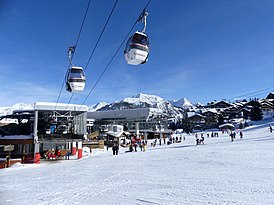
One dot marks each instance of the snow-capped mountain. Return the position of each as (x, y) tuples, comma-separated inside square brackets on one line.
[(96, 106), (183, 103), (145, 101), (17, 106), (160, 106)]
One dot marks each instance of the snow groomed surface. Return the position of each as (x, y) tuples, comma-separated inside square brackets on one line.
[(219, 172)]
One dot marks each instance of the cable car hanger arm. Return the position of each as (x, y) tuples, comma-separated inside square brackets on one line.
[(143, 18), (70, 54)]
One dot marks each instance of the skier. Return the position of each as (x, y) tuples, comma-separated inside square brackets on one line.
[(232, 137), (270, 128), (116, 149), (241, 134), (197, 141), (202, 140)]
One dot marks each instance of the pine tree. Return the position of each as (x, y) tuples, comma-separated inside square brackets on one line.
[(256, 113), (186, 125)]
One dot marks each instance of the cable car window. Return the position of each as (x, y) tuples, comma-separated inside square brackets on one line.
[(140, 39), (76, 74)]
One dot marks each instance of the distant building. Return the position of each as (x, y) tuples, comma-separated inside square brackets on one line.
[(197, 120), (270, 96), (144, 122), (267, 106), (211, 118), (219, 106)]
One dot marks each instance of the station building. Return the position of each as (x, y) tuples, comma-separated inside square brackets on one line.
[(142, 122), (49, 126)]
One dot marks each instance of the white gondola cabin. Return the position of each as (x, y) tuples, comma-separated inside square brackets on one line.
[(137, 49), (76, 79)]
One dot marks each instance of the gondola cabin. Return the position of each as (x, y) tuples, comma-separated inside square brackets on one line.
[(76, 79), (137, 49)]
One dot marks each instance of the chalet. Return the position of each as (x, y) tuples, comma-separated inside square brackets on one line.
[(246, 111), (267, 106), (219, 105), (197, 120), (232, 112), (270, 96), (211, 118)]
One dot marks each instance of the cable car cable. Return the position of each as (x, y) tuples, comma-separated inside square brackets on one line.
[(107, 66), (76, 43), (249, 94), (102, 32), (98, 40)]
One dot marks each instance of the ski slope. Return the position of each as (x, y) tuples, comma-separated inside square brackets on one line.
[(219, 172)]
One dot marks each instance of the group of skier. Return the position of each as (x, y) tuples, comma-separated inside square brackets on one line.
[(233, 135)]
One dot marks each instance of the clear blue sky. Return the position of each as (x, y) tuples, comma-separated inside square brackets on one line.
[(200, 49)]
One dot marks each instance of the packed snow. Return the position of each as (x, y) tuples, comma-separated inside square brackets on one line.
[(218, 172)]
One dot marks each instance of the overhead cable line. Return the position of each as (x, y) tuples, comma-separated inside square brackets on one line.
[(103, 30), (259, 94), (249, 94), (75, 46), (107, 66), (98, 40)]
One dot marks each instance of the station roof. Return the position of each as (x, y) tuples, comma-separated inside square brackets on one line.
[(48, 106)]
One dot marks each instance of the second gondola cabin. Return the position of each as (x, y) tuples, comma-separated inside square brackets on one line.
[(137, 49), (76, 79)]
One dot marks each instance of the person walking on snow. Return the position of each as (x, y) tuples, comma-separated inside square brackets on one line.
[(116, 149), (232, 136), (241, 134)]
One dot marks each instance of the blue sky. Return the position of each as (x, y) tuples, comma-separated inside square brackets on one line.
[(202, 50)]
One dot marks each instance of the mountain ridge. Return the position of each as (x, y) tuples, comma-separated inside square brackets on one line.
[(170, 108)]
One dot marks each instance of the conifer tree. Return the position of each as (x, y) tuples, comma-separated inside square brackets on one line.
[(256, 113)]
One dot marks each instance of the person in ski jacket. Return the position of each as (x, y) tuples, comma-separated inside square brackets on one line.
[(241, 134), (232, 137)]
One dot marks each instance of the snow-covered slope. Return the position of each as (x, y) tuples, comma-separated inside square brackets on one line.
[(220, 172)]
